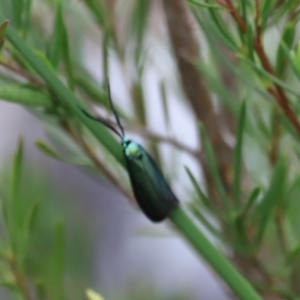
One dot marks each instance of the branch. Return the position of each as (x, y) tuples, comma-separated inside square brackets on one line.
[(144, 132), (275, 90), (19, 279), (21, 72), (186, 50), (98, 163)]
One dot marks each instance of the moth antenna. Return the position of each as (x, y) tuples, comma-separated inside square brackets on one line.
[(105, 123), (113, 109)]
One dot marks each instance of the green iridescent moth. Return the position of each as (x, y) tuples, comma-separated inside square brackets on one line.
[(151, 190)]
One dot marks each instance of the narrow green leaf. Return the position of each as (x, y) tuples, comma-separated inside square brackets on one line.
[(97, 8), (275, 188), (199, 214), (25, 96), (65, 95), (287, 39), (67, 57), (293, 255), (240, 243), (139, 24), (217, 86), (60, 49), (207, 5), (16, 175), (266, 7), (90, 87), (294, 58), (163, 96), (31, 215), (249, 40), (57, 43), (58, 262), (45, 60), (272, 196), (212, 163), (26, 228), (46, 149), (251, 200), (207, 203), (218, 22), (272, 78), (105, 55), (3, 27), (213, 256), (236, 71), (244, 10), (17, 10), (237, 156), (27, 11), (74, 157)]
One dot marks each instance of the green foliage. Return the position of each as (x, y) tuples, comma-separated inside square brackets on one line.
[(32, 241), (248, 200)]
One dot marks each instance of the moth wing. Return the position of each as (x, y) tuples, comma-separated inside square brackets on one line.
[(151, 190)]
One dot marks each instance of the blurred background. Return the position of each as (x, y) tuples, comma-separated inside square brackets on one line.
[(68, 223)]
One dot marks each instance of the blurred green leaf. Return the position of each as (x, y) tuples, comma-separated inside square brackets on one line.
[(31, 216), (264, 210), (217, 27), (251, 200), (287, 38), (207, 5), (75, 155), (60, 45), (204, 219), (27, 16), (249, 40), (23, 95), (47, 149), (3, 27), (57, 43), (295, 57), (293, 255), (16, 172), (139, 24), (206, 202), (260, 71), (237, 157), (65, 95), (17, 10), (58, 261), (98, 9), (212, 163), (163, 96)]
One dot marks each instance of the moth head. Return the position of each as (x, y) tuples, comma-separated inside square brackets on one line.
[(132, 149)]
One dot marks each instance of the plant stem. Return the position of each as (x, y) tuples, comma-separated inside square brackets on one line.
[(220, 264)]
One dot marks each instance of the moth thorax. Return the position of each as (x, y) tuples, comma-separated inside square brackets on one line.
[(133, 150)]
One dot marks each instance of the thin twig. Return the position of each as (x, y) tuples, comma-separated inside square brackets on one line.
[(19, 279), (98, 163), (186, 49), (273, 154), (235, 14), (144, 132), (30, 77), (280, 233), (276, 91)]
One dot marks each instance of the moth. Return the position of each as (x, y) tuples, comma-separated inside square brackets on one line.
[(151, 190)]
